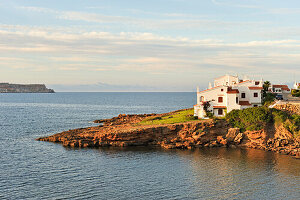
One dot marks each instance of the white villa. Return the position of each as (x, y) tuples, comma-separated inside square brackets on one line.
[(279, 89), (227, 94)]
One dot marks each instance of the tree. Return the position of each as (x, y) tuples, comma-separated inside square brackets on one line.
[(266, 86), (268, 97)]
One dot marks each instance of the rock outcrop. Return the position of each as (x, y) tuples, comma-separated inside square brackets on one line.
[(292, 108), (276, 139), (125, 130)]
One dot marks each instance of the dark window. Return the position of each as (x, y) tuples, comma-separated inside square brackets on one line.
[(255, 94), (237, 100), (256, 82), (220, 99), (220, 111), (254, 105), (243, 95), (202, 98), (222, 90)]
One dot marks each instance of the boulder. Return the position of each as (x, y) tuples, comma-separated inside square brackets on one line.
[(239, 138), (232, 133)]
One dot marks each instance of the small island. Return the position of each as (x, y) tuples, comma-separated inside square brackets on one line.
[(24, 88)]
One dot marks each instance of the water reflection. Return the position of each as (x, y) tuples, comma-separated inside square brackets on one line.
[(217, 173)]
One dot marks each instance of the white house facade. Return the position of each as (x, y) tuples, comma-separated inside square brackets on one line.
[(228, 93), (280, 89)]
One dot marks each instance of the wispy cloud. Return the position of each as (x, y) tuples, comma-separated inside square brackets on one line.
[(145, 52), (233, 4)]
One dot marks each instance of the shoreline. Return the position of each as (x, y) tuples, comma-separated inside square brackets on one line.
[(127, 130)]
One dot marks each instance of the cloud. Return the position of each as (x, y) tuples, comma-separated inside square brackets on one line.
[(36, 9), (141, 56), (233, 4), (284, 11)]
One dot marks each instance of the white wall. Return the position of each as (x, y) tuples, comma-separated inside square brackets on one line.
[(213, 94), (231, 102)]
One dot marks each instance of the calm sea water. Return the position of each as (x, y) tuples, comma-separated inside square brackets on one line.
[(31, 169)]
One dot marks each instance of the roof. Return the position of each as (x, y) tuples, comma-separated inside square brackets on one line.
[(280, 86), (211, 88), (256, 88), (243, 82), (244, 103), (232, 91), (219, 106), (283, 87)]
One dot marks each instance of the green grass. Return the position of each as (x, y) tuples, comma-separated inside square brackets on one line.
[(176, 117)]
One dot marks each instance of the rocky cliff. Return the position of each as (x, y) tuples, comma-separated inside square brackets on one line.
[(125, 130), (28, 88)]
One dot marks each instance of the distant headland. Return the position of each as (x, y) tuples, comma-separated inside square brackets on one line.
[(24, 88)]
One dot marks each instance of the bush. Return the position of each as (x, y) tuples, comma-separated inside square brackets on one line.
[(209, 114), (254, 127), (295, 93), (268, 99), (257, 118)]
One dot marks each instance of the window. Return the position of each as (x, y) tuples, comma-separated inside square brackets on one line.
[(237, 100), (220, 99), (254, 105), (220, 111), (243, 95), (256, 82), (202, 98), (255, 94), (222, 90)]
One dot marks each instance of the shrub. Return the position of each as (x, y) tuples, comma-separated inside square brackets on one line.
[(295, 93), (257, 118), (268, 99), (254, 127), (209, 114)]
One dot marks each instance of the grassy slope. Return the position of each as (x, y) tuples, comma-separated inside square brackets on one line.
[(176, 117), (257, 118)]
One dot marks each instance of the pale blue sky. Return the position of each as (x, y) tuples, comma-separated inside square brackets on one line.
[(157, 45)]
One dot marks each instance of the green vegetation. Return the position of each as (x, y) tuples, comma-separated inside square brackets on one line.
[(208, 113), (268, 97), (266, 86), (176, 117), (295, 93), (257, 118)]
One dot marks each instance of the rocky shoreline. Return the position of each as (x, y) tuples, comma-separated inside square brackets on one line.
[(125, 130)]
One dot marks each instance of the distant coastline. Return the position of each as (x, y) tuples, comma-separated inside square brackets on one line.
[(24, 88)]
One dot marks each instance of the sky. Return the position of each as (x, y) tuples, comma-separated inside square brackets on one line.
[(142, 45)]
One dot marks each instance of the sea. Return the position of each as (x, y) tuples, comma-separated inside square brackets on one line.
[(31, 169)]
